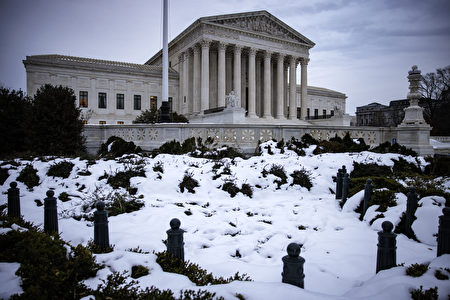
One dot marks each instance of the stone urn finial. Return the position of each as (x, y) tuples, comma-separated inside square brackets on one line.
[(414, 113)]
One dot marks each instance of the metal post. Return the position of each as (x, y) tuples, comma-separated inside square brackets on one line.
[(345, 185), (13, 200), (101, 232), (165, 110), (386, 255), (293, 266), (339, 184), (368, 189), (50, 213), (175, 244), (411, 206), (444, 233)]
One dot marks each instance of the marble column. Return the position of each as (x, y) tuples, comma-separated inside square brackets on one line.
[(252, 83), (196, 80), (204, 98), (267, 86), (185, 99), (293, 89), (286, 90), (221, 76), (237, 72), (280, 87), (304, 87)]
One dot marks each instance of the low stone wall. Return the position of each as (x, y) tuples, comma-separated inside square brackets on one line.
[(244, 137)]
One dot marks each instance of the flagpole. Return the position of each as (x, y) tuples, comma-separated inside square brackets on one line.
[(165, 114)]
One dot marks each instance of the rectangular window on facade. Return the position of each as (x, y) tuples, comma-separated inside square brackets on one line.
[(137, 102), (324, 113), (170, 104), (316, 113), (308, 112), (101, 100), (120, 122), (332, 112), (84, 122), (120, 101), (153, 103), (102, 122), (83, 99)]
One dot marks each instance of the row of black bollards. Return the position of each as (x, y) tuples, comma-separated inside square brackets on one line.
[(293, 272)]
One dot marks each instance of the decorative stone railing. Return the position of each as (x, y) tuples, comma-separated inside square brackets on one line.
[(243, 136)]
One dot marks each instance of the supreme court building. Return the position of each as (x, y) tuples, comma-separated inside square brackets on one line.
[(253, 54)]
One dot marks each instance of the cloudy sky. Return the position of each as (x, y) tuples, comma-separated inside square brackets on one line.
[(363, 48)]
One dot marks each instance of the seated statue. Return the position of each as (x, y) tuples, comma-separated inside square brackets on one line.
[(232, 100)]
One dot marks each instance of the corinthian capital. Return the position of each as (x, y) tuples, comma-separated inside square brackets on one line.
[(205, 43), (304, 61)]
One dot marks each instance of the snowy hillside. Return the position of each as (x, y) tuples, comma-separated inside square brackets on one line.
[(244, 234)]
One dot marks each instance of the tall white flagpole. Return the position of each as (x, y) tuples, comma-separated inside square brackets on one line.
[(165, 116)]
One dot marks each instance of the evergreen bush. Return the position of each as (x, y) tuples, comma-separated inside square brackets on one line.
[(4, 174), (56, 127), (29, 176), (139, 271), (420, 294), (302, 177), (188, 183), (117, 147), (15, 114), (369, 170), (231, 188), (416, 270), (61, 169)]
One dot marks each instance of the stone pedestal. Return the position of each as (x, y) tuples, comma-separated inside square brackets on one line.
[(414, 132)]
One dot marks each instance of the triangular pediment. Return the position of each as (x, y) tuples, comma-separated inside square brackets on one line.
[(262, 23)]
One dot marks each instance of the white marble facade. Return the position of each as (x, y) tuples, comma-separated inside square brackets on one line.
[(253, 54)]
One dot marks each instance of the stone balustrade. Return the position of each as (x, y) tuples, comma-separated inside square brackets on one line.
[(243, 136)]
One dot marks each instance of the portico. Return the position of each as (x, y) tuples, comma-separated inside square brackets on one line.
[(254, 54)]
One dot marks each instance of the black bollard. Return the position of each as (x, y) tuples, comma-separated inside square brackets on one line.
[(411, 206), (368, 189), (293, 266), (339, 177), (386, 255), (101, 233), (13, 200), (345, 185), (444, 233), (50, 213), (175, 244)]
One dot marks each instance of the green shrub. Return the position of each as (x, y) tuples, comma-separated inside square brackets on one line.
[(439, 165), (148, 116), (91, 246), (404, 168), (84, 173), (369, 170), (4, 174), (178, 118), (64, 197), (329, 147), (379, 216), (56, 127), (29, 176), (158, 167), (61, 169), (420, 294), (386, 147), (383, 198), (122, 178), (188, 183), (139, 271), (308, 140), (117, 148), (302, 178), (441, 276), (278, 171), (120, 204), (196, 274), (247, 190), (15, 115), (117, 286), (231, 188), (416, 270), (357, 184), (47, 270)]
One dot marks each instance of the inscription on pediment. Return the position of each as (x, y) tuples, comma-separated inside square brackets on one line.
[(261, 25)]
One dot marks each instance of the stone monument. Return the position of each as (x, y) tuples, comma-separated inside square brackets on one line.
[(414, 132)]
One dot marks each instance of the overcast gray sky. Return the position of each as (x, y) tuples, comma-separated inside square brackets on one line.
[(363, 48)]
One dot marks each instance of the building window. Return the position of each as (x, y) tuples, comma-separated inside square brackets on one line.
[(184, 99), (137, 102), (153, 103), (331, 112), (170, 104), (324, 113), (316, 113), (84, 122), (101, 100), (83, 99), (308, 113), (120, 122), (102, 122), (119, 101)]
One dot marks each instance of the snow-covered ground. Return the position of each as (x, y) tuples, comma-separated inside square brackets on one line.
[(340, 251)]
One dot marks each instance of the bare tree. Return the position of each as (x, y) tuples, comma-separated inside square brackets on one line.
[(435, 88)]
